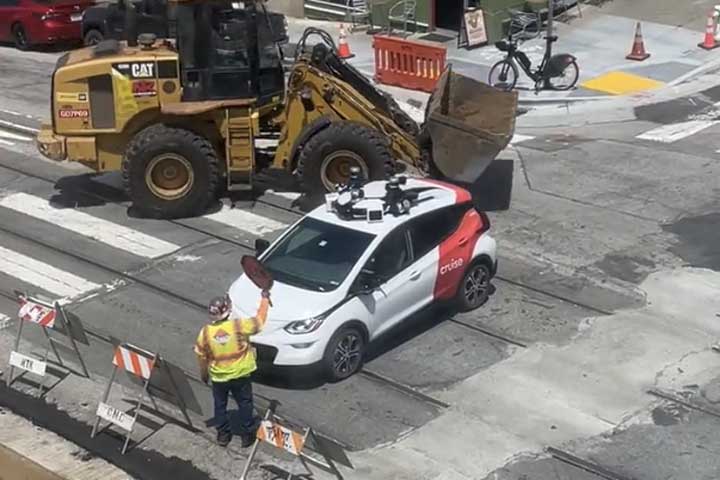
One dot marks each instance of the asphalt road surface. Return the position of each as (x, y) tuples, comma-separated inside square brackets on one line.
[(592, 215)]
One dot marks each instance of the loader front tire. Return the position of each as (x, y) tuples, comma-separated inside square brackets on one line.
[(326, 158), (170, 172)]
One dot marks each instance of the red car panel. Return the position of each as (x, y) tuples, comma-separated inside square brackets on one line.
[(34, 22)]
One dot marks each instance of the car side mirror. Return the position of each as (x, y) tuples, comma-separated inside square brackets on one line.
[(366, 283), (260, 246)]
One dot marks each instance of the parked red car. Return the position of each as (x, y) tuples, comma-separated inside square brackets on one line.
[(38, 22)]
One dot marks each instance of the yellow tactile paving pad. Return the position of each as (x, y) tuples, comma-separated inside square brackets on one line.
[(619, 83)]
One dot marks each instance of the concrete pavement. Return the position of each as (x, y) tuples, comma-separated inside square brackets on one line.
[(600, 41), (29, 451)]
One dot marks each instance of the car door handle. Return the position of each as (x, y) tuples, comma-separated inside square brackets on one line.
[(415, 275), (463, 241)]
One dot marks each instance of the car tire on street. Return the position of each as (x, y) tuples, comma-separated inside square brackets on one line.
[(326, 158), (93, 37), (170, 172), (344, 353), (474, 289), (20, 37)]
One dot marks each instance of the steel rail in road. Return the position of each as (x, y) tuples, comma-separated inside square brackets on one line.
[(671, 397), (399, 386), (509, 281), (379, 378), (299, 213), (395, 385), (586, 465), (131, 277)]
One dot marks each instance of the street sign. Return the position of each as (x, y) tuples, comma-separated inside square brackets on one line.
[(473, 32), (273, 432), (28, 364), (115, 416), (281, 437)]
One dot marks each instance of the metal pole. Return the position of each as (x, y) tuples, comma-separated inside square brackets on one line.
[(15, 349), (104, 400), (268, 415), (42, 382), (135, 417), (52, 345), (551, 15), (70, 335)]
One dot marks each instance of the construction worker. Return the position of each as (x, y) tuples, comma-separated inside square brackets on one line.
[(227, 359)]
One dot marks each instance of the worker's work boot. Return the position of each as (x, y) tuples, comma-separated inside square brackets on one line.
[(223, 439)]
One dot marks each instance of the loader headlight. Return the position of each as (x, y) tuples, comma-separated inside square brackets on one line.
[(304, 326)]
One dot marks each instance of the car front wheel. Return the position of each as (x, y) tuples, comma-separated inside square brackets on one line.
[(344, 353)]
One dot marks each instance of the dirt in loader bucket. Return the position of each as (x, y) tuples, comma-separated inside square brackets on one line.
[(469, 123)]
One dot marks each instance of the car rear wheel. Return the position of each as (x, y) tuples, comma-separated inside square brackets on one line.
[(474, 289), (170, 172), (344, 353), (93, 37), (20, 37)]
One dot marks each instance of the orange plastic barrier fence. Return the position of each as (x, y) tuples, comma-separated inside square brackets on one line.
[(411, 64)]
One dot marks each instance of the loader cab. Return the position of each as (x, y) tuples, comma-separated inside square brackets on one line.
[(227, 51)]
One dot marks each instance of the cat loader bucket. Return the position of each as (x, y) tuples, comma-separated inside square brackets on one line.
[(469, 124)]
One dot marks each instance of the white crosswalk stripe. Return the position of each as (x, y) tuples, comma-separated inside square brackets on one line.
[(676, 131), (112, 234), (42, 275), (245, 221), (67, 286)]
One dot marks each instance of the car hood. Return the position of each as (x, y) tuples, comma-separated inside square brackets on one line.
[(288, 303)]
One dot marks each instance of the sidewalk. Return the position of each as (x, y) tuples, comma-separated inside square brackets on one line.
[(599, 41)]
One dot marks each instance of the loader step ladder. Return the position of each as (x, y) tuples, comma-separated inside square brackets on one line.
[(240, 148)]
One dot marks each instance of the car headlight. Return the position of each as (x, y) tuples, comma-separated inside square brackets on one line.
[(304, 326)]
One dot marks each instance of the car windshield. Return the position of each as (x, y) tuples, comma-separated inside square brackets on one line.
[(316, 255)]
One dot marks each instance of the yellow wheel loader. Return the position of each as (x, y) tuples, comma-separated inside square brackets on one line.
[(182, 117)]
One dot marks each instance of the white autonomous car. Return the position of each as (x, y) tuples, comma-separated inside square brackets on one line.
[(369, 258)]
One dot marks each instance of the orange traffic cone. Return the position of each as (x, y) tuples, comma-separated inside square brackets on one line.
[(709, 42), (638, 49), (343, 47)]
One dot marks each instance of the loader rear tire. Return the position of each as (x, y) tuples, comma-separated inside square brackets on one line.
[(326, 158), (170, 172)]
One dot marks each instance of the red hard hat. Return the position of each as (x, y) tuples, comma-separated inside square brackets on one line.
[(219, 307)]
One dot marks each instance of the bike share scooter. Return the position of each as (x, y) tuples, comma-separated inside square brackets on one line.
[(556, 72)]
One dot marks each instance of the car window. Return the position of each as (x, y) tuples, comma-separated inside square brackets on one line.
[(427, 231), (9, 3), (391, 256), (316, 255)]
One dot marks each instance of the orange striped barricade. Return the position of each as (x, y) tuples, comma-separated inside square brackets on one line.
[(412, 64), (273, 432), (139, 363), (49, 316)]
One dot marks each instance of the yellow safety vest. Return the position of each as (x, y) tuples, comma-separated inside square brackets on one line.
[(226, 347)]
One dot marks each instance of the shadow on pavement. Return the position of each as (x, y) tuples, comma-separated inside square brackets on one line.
[(311, 377)]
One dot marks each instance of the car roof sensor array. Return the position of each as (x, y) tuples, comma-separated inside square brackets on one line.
[(396, 201)]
